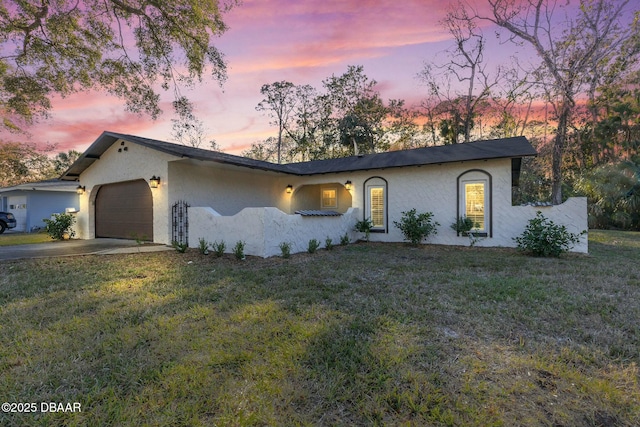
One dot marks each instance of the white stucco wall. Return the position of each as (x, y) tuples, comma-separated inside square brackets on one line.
[(224, 188), (229, 203), (434, 189), (572, 214), (264, 229), (137, 162)]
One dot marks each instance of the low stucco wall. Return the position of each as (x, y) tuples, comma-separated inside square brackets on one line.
[(263, 229), (572, 214), (510, 222)]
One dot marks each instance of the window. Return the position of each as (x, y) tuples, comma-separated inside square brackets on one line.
[(474, 199), (329, 198), (376, 197), (376, 203), (475, 203)]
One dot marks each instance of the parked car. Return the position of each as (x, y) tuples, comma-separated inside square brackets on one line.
[(7, 220)]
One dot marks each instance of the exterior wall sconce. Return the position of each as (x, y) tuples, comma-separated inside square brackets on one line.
[(154, 182), (289, 189), (80, 189), (348, 185)]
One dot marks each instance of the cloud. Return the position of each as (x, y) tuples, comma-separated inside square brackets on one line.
[(271, 40), (76, 121), (281, 34)]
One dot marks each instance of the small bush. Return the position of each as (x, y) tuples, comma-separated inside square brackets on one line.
[(285, 248), (328, 243), (313, 246), (345, 240), (218, 248), (365, 227), (464, 225), (203, 246), (238, 250), (179, 247), (416, 227), (542, 237), (60, 225)]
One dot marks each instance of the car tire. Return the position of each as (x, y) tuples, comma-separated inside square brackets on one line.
[(2, 227)]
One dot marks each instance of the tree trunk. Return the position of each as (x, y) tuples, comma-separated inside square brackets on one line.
[(280, 145), (558, 149)]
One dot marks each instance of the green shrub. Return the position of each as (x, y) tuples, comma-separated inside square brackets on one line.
[(285, 248), (218, 248), (345, 240), (542, 237), (365, 227), (179, 247), (328, 243), (416, 227), (203, 246), (59, 225), (464, 225), (313, 246), (238, 250)]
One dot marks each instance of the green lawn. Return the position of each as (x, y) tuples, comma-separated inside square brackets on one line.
[(10, 239), (368, 334)]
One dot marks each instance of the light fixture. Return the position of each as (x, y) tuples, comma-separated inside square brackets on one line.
[(348, 185), (289, 189), (154, 182), (80, 189)]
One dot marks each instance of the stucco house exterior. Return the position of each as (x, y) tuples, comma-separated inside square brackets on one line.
[(133, 187), (32, 202)]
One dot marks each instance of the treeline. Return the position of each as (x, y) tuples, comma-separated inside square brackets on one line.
[(24, 162), (578, 102), (346, 116)]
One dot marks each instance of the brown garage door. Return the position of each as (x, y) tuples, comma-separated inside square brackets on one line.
[(124, 210)]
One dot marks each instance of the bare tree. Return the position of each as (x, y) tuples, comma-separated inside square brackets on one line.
[(187, 129), (567, 51), (466, 65), (512, 102), (278, 102)]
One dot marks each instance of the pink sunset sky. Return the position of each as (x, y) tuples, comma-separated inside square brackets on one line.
[(302, 42)]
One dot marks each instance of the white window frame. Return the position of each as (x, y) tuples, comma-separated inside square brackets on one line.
[(477, 176), (373, 183), (485, 202), (322, 199)]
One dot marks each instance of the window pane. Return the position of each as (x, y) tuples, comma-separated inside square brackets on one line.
[(377, 206), (329, 199), (474, 203)]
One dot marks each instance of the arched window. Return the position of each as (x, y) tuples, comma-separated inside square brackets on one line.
[(375, 197), (474, 200)]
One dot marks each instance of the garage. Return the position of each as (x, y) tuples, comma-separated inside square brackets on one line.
[(124, 210)]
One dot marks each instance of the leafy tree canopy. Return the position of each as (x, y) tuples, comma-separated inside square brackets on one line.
[(125, 47)]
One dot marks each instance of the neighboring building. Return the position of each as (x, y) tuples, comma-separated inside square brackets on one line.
[(133, 186), (32, 202)]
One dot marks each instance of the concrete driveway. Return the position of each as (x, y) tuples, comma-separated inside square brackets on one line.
[(77, 247)]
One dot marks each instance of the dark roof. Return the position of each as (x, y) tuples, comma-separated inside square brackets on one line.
[(46, 185), (480, 150)]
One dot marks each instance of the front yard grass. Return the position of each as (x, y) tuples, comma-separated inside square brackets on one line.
[(11, 239), (368, 334)]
